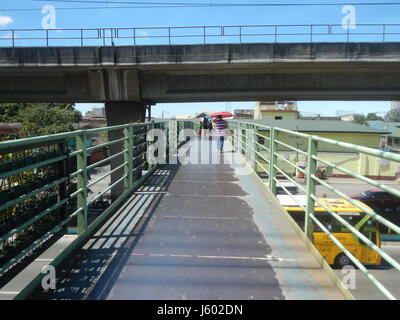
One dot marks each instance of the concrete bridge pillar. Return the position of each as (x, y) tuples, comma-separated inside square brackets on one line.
[(117, 113)]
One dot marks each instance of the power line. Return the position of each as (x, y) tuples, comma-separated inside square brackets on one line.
[(225, 4), (169, 5), (166, 5)]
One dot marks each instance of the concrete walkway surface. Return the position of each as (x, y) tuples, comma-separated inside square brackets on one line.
[(197, 232)]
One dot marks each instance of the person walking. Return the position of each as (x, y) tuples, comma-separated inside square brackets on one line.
[(220, 130), (206, 124), (198, 128)]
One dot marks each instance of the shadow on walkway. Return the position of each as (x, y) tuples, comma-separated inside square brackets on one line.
[(91, 271)]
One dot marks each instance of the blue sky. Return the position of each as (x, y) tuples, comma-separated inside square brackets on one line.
[(17, 14)]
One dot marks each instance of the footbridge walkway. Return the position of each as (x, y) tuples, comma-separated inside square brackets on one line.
[(191, 223)]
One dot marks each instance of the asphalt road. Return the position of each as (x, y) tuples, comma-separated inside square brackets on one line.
[(389, 277)]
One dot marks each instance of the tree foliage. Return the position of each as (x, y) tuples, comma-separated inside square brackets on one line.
[(41, 118), (393, 116), (361, 119)]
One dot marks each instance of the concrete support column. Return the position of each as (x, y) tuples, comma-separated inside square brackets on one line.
[(121, 112)]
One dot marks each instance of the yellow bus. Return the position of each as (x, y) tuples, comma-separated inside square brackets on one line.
[(349, 212)]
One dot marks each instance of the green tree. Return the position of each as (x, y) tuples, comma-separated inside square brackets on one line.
[(373, 116), (41, 118), (360, 119), (9, 111), (393, 116)]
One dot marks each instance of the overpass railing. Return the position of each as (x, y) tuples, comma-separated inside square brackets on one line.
[(45, 182), (200, 35), (262, 147)]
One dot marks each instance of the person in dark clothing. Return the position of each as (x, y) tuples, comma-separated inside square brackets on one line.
[(205, 123)]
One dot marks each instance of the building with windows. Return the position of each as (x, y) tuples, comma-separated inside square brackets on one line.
[(392, 139), (395, 105), (335, 130), (276, 110), (243, 114), (96, 113)]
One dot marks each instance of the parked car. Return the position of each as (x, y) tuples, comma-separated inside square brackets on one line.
[(291, 187), (379, 200)]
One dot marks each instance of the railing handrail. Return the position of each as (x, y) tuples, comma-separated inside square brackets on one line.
[(242, 31), (132, 162), (252, 129)]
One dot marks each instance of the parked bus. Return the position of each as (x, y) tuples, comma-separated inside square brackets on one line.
[(349, 212)]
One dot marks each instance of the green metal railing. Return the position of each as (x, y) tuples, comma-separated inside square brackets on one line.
[(265, 155), (62, 176)]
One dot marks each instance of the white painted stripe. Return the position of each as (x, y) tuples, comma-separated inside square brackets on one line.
[(203, 218), (181, 255), (45, 260), (233, 257), (265, 258), (9, 292), (150, 192)]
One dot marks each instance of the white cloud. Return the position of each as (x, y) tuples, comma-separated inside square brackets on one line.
[(5, 20)]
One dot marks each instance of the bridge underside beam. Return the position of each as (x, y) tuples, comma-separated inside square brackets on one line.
[(173, 87), (199, 85), (219, 72)]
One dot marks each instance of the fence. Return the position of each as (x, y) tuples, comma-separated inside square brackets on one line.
[(45, 182), (200, 35), (265, 156)]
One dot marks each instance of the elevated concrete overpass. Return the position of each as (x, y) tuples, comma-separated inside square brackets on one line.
[(188, 73)]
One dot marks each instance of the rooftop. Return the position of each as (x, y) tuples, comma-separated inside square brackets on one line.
[(379, 124), (319, 126)]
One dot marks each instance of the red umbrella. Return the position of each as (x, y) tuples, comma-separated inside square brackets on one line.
[(224, 114)]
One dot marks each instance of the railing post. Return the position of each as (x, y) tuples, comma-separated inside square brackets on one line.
[(311, 170), (62, 172), (383, 33), (232, 127), (248, 143), (150, 147), (242, 141), (82, 182), (255, 146), (273, 148), (128, 156), (174, 128)]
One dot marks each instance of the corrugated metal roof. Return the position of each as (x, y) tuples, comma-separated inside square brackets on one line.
[(382, 125), (318, 126)]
